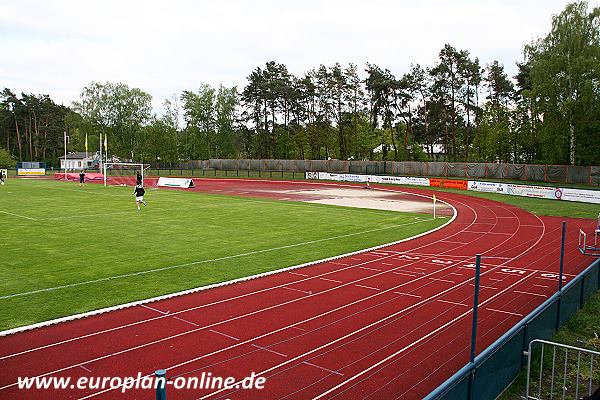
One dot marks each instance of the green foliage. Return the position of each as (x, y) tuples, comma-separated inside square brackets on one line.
[(6, 159), (117, 111), (563, 70)]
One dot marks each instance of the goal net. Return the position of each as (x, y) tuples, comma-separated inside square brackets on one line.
[(124, 174)]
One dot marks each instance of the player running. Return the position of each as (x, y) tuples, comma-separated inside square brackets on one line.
[(139, 196)]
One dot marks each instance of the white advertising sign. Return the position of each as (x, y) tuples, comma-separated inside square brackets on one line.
[(541, 192), (489, 187), (175, 182), (585, 196)]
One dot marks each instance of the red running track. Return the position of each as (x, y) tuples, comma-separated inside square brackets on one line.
[(391, 323)]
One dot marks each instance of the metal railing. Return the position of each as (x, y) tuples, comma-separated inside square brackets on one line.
[(559, 371)]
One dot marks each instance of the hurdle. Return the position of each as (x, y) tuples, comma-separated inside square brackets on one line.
[(588, 249)]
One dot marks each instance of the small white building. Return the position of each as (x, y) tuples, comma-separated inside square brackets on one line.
[(78, 161)]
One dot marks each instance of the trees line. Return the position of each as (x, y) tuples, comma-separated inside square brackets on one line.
[(549, 113)]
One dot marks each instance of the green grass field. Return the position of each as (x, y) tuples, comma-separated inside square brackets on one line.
[(68, 249)]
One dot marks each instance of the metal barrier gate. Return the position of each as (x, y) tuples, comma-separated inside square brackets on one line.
[(558, 371)]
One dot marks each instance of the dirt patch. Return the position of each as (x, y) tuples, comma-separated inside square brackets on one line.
[(370, 198)]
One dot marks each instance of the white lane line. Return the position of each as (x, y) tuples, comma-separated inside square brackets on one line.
[(491, 233), (529, 293), (186, 321), (297, 273), (154, 309), (330, 280), (300, 329), (494, 279), (370, 269), (167, 314), (323, 368), (339, 263), (296, 290), (454, 303), (542, 286), (408, 294), (367, 287), (388, 264), (404, 273), (85, 369), (17, 215), (224, 334), (442, 280), (504, 312), (485, 287), (269, 350), (356, 259), (420, 269)]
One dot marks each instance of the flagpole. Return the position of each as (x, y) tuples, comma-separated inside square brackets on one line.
[(100, 164), (65, 169)]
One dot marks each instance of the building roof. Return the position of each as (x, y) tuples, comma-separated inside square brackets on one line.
[(79, 155)]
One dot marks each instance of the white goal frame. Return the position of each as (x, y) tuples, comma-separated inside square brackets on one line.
[(139, 167)]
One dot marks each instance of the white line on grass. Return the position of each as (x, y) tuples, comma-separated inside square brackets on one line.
[(108, 278), (17, 215)]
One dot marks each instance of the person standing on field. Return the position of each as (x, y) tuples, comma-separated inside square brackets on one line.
[(81, 178), (139, 196)]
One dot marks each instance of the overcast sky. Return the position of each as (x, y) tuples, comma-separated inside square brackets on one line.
[(163, 47)]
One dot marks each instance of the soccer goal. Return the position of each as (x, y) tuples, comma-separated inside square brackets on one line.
[(124, 174)]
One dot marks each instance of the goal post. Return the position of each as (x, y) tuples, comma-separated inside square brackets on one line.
[(120, 173)]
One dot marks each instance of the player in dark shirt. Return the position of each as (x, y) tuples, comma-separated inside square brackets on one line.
[(139, 196), (81, 178)]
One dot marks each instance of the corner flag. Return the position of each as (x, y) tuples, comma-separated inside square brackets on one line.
[(105, 142), (86, 146)]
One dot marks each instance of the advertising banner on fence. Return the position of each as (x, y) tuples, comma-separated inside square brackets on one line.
[(401, 180), (340, 177), (175, 182), (540, 192), (586, 196), (488, 187), (449, 183), (31, 171), (396, 180)]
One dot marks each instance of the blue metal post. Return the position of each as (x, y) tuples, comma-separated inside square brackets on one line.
[(161, 384), (475, 306), (562, 255)]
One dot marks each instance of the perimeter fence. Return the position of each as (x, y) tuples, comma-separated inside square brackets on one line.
[(497, 366), (589, 175)]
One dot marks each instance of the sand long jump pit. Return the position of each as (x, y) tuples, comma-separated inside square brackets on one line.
[(373, 199)]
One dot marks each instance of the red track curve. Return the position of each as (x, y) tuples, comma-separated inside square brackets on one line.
[(384, 324)]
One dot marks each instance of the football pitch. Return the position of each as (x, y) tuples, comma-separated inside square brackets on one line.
[(67, 249)]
